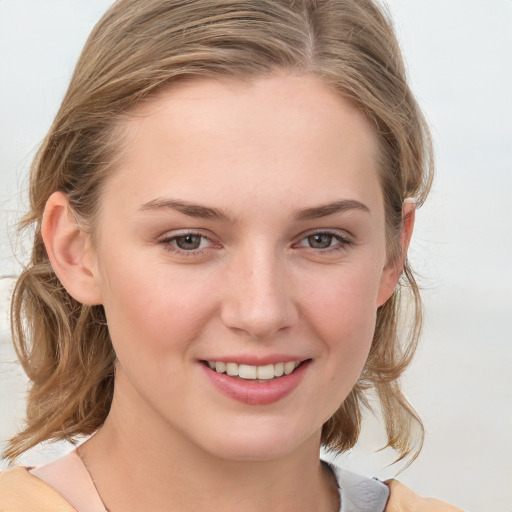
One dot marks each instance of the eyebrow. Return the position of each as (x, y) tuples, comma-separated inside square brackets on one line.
[(187, 208), (210, 213), (325, 210)]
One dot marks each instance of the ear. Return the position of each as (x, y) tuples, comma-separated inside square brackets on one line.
[(393, 269), (69, 251)]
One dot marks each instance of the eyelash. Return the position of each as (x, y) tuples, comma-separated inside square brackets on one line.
[(169, 244), (343, 242)]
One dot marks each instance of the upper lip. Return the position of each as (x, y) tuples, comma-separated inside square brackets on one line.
[(257, 360)]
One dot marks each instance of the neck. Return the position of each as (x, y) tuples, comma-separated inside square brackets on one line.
[(166, 471)]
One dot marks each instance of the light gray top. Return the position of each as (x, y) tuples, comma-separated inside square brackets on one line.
[(359, 493)]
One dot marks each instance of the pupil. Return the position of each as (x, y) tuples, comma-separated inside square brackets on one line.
[(188, 242), (320, 241)]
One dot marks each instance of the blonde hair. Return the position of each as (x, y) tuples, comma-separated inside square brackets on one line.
[(140, 46)]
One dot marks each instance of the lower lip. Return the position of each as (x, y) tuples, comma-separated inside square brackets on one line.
[(253, 392)]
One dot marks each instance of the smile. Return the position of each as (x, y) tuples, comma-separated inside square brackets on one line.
[(248, 372), (256, 384)]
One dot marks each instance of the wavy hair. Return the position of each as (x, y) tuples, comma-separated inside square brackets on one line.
[(140, 46)]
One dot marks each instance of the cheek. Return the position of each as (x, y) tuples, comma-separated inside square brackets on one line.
[(152, 313), (342, 309)]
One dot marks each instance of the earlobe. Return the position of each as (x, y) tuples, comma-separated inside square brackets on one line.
[(69, 251), (393, 270)]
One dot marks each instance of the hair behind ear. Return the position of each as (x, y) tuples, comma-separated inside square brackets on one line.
[(63, 345)]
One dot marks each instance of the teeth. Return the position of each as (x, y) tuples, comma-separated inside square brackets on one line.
[(265, 372), (245, 371), (289, 367), (232, 369)]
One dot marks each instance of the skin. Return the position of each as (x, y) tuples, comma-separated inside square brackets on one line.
[(258, 284)]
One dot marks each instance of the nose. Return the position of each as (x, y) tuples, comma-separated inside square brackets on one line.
[(258, 296)]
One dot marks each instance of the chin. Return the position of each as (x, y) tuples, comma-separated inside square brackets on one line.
[(240, 451), (265, 443)]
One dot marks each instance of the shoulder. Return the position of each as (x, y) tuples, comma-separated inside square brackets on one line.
[(402, 499), (362, 494), (22, 492), (359, 493)]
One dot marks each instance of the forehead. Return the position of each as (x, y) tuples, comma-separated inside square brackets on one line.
[(291, 135)]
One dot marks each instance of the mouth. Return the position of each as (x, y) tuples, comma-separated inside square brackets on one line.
[(264, 373), (256, 384)]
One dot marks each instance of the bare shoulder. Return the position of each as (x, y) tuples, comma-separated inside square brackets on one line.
[(60, 473), (70, 479), (403, 499)]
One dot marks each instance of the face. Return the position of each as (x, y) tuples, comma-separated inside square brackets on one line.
[(244, 231)]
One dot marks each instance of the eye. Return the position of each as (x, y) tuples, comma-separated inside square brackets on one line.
[(325, 241), (189, 242), (186, 243), (320, 240)]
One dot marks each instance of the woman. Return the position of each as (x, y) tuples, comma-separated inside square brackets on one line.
[(222, 211)]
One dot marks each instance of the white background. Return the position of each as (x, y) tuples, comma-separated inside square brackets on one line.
[(459, 55)]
